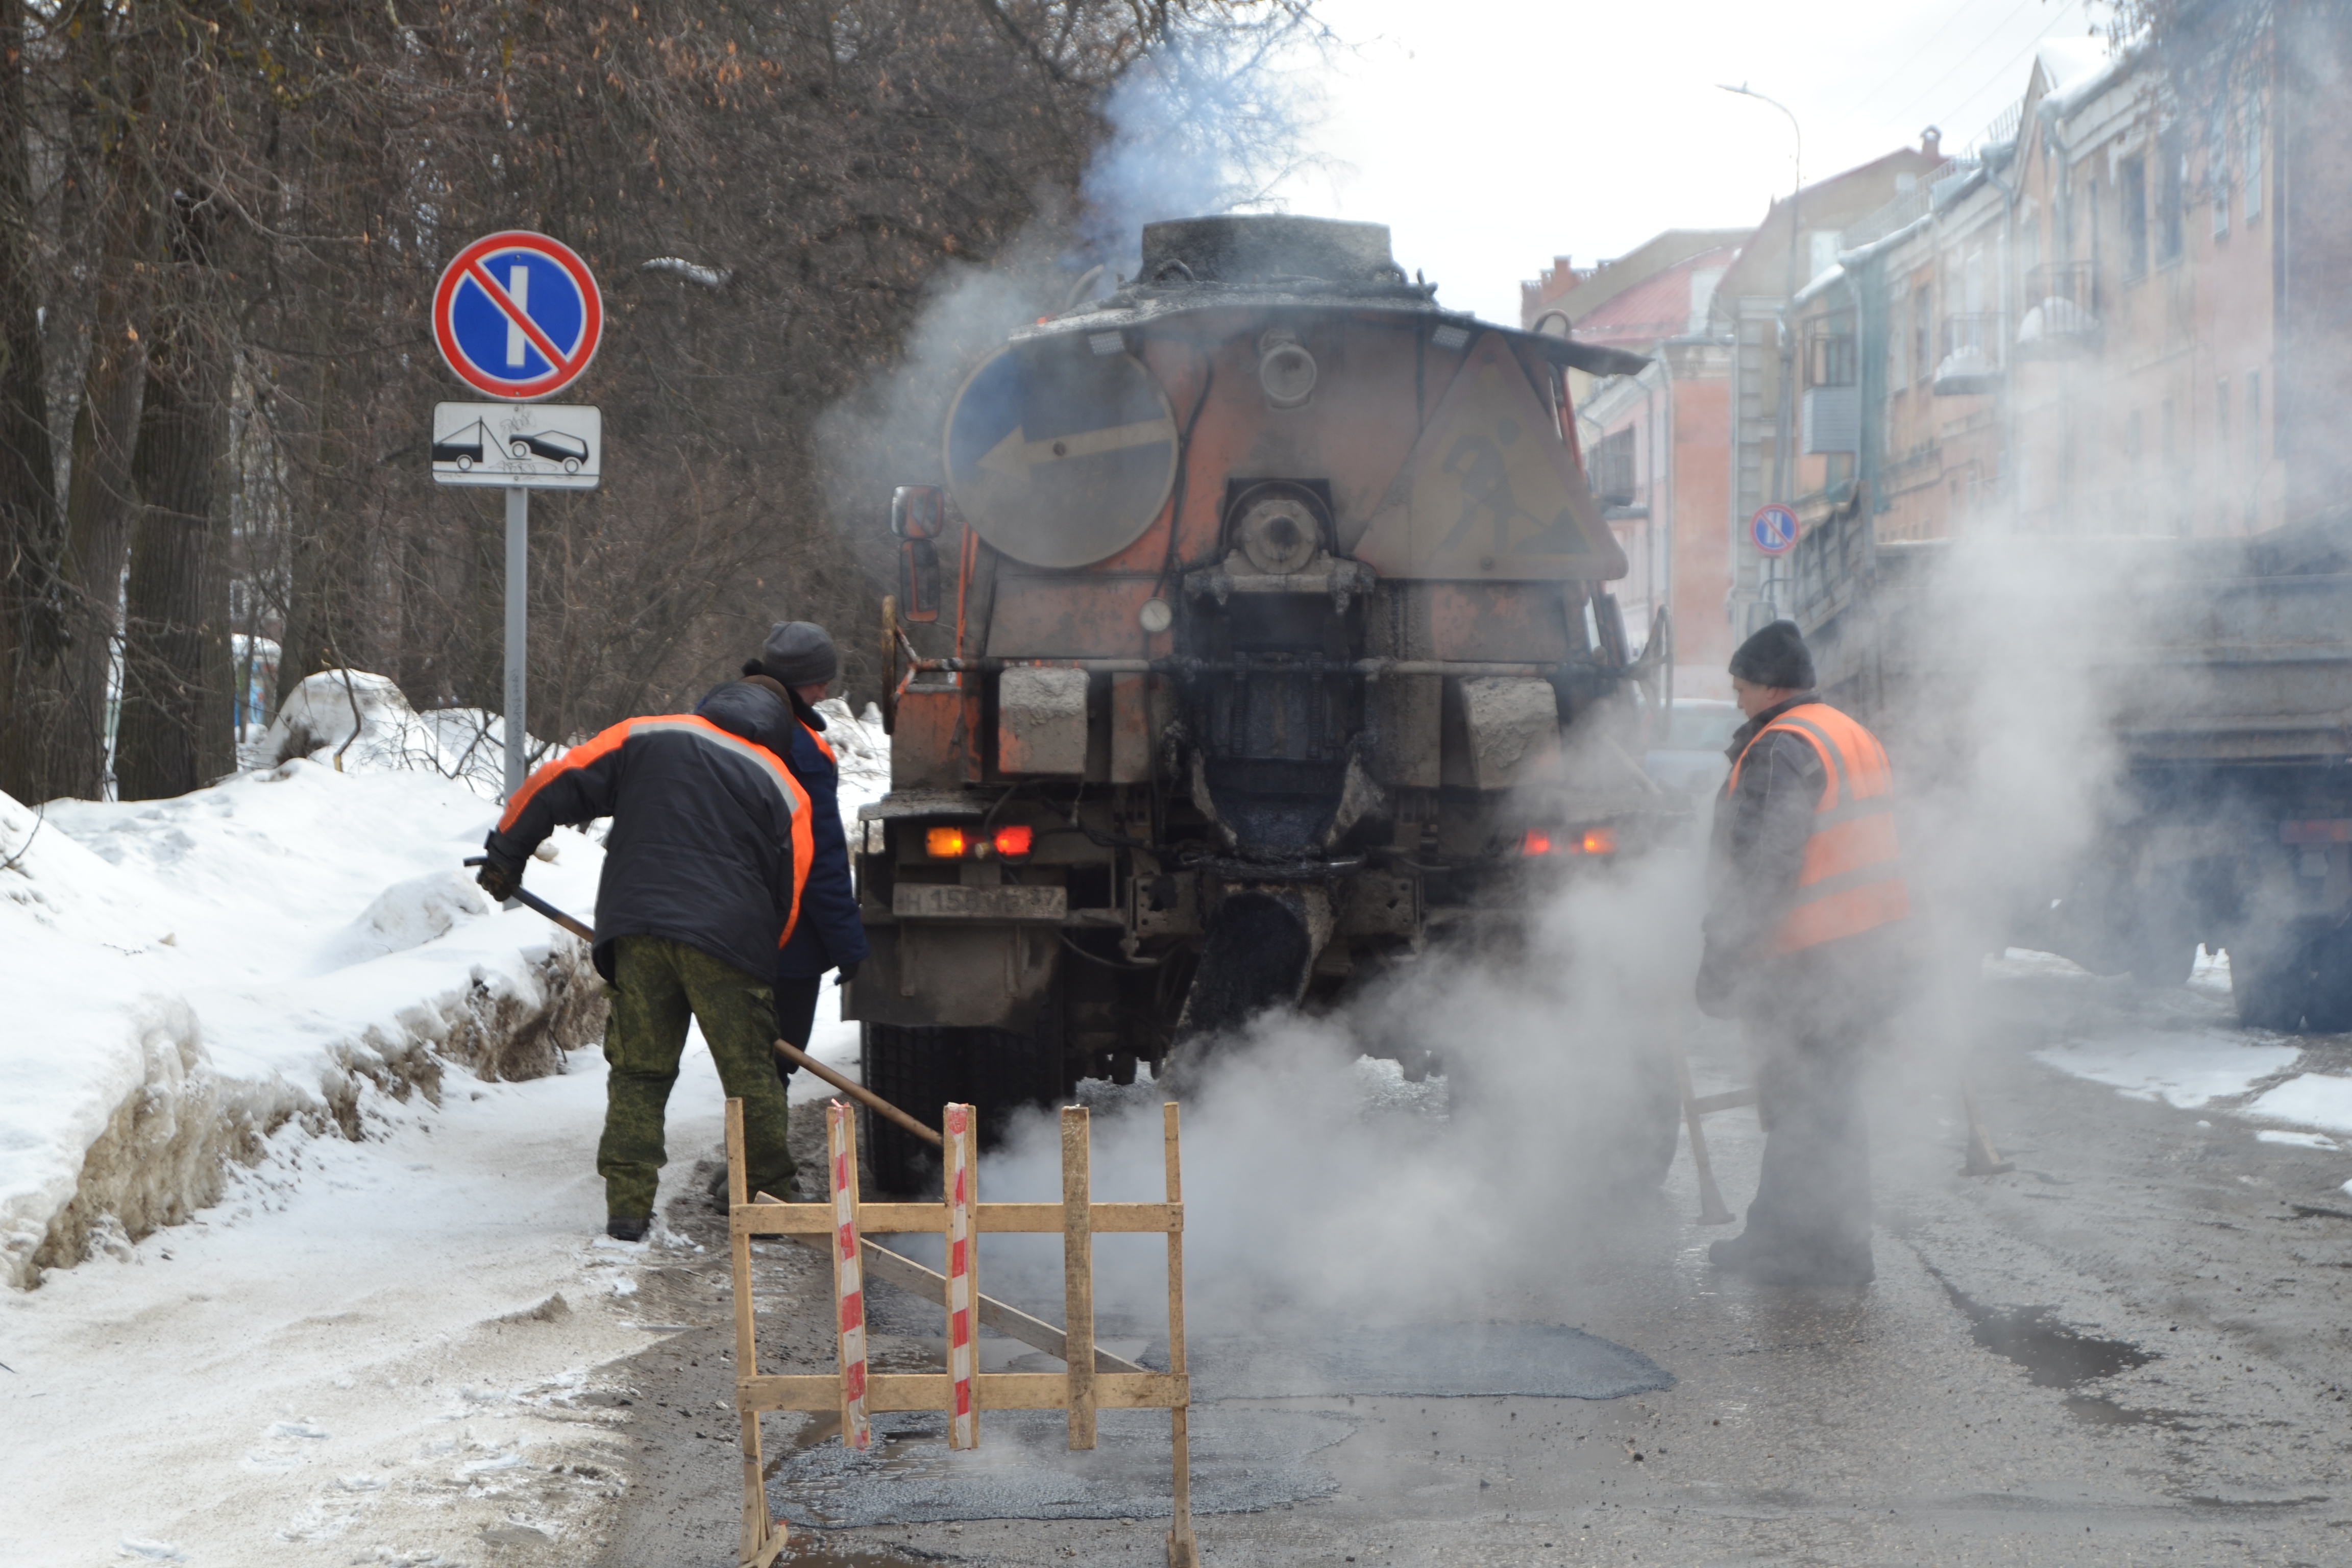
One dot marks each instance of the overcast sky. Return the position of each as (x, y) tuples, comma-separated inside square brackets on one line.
[(1491, 135)]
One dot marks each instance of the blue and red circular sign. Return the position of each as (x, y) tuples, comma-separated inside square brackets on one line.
[(518, 315), (1774, 530)]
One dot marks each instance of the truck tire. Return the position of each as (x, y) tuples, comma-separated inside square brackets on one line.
[(2280, 981), (922, 1070)]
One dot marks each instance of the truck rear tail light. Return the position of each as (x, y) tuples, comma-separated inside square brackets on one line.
[(2330, 830), (1592, 841), (1015, 842), (944, 842)]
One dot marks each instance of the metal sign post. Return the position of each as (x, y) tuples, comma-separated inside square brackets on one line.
[(518, 316), (517, 630)]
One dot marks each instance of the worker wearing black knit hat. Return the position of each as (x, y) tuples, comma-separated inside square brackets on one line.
[(778, 697), (1806, 945)]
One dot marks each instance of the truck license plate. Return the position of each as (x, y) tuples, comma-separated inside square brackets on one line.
[(948, 902)]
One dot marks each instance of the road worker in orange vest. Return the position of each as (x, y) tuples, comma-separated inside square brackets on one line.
[(1807, 929)]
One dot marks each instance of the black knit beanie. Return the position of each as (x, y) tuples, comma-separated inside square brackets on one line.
[(1775, 656)]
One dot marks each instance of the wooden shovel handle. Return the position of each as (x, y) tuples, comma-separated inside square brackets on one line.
[(858, 1093)]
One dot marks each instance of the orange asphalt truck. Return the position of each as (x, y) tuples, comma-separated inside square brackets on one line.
[(1257, 641)]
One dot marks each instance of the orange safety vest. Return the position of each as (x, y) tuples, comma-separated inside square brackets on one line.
[(1853, 875)]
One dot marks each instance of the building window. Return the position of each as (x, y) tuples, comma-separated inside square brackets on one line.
[(2131, 191), (1831, 355), (1923, 334), (2254, 416), (2252, 121), (2172, 173), (1613, 468), (1826, 247)]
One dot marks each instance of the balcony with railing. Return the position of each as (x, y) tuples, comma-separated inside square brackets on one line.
[(2060, 318), (1970, 362)]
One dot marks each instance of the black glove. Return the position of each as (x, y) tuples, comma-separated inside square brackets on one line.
[(500, 883), (848, 973)]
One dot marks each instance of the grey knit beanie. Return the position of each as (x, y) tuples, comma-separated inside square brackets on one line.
[(799, 653)]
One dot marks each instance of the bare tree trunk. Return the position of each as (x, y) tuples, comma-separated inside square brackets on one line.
[(31, 628), (98, 510), (175, 730)]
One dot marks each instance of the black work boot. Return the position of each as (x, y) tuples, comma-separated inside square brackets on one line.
[(1737, 1253), (1771, 1262), (628, 1227)]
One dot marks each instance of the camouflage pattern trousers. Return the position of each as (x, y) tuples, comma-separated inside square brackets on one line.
[(658, 984)]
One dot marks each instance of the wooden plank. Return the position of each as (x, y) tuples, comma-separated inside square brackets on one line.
[(990, 1391), (848, 1277), (1182, 1551), (1078, 1275), (960, 1178), (759, 1532), (1730, 1100), (899, 1219)]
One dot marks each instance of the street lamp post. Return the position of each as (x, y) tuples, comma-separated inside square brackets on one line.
[(1783, 458)]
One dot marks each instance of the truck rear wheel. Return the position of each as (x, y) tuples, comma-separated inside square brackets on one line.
[(922, 1070), (2295, 979)]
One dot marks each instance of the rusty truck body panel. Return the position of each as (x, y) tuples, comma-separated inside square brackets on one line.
[(1271, 637)]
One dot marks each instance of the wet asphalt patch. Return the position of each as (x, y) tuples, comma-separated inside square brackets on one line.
[(1243, 1461), (1432, 1360)]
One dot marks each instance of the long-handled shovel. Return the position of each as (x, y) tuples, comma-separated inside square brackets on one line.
[(904, 1272), (791, 1053)]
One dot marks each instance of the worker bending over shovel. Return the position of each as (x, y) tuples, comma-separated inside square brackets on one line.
[(701, 887)]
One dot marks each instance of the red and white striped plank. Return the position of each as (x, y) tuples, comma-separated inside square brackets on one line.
[(848, 1274), (963, 1421)]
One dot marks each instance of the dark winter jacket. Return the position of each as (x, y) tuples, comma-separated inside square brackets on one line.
[(710, 837), (830, 933), (1758, 854)]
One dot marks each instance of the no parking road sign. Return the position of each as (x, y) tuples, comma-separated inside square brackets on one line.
[(518, 316), (1774, 529)]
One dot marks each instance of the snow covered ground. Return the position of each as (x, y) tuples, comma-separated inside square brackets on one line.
[(292, 1147)]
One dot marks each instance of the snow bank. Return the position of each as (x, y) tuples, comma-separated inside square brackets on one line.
[(462, 744), (186, 976), (295, 945)]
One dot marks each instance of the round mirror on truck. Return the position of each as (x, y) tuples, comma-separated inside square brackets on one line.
[(1059, 456)]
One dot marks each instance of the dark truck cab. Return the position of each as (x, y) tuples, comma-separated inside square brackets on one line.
[(2212, 683)]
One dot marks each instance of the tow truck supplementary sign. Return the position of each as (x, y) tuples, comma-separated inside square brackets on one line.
[(1774, 529), (518, 316), (540, 446)]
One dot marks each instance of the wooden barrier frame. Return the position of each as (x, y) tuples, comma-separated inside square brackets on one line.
[(1081, 1390)]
